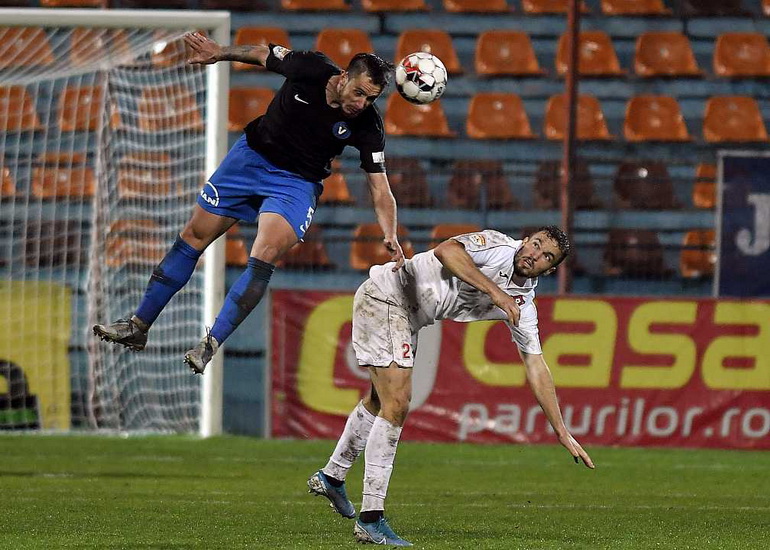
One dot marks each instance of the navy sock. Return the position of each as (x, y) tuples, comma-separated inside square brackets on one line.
[(171, 274), (243, 297)]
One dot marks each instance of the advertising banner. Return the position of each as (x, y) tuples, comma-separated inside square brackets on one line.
[(628, 371), (744, 221), (34, 355)]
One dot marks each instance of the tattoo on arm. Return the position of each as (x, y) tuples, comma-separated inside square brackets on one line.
[(255, 55)]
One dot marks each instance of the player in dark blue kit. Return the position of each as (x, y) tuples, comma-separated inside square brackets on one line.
[(273, 173)]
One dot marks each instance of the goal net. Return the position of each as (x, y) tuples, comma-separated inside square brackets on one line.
[(106, 139)]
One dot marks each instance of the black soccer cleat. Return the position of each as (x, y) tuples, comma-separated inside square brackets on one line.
[(126, 332)]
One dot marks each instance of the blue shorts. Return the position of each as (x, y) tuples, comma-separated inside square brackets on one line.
[(246, 184)]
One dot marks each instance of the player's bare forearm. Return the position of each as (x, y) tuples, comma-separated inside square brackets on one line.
[(253, 55), (456, 259), (541, 383), (385, 209)]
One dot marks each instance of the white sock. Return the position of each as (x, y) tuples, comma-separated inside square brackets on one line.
[(380, 454), (351, 442)]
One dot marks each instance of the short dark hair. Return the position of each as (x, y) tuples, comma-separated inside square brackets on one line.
[(379, 70), (559, 237)]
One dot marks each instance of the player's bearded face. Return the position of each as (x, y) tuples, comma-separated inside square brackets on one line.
[(356, 93), (537, 255)]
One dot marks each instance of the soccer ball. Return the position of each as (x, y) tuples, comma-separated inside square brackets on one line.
[(421, 78)]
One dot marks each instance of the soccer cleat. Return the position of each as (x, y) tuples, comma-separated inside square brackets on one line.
[(319, 485), (377, 532), (125, 332), (198, 357)]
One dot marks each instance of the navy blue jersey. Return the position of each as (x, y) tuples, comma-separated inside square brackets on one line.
[(300, 132)]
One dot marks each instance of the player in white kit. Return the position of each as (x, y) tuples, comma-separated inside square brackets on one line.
[(473, 277)]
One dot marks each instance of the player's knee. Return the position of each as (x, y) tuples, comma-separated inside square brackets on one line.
[(195, 237), (397, 409)]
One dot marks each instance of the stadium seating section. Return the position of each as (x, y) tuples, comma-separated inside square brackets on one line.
[(664, 86)]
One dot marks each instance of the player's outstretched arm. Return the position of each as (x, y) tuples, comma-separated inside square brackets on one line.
[(385, 208), (205, 51), (541, 382)]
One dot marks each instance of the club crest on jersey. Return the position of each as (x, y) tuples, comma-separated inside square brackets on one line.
[(478, 239), (341, 130)]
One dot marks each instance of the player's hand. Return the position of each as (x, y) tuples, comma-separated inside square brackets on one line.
[(202, 49), (394, 249), (576, 450), (508, 304)]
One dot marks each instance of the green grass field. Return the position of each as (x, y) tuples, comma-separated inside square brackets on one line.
[(181, 492)]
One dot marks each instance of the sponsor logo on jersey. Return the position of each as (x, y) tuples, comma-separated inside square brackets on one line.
[(296, 96), (280, 52), (519, 300), (341, 130), (211, 197), (378, 157), (478, 239)]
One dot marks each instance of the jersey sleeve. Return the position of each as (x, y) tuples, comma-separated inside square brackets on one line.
[(527, 334), (371, 144), (483, 247), (299, 65)]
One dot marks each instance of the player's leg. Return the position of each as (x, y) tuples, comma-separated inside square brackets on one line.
[(394, 388), (275, 236), (168, 277)]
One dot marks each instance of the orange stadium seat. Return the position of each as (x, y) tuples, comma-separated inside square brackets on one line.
[(236, 254), (73, 3), (733, 118), (246, 104), (7, 185), (634, 253), (259, 36), (590, 119), (739, 54), (476, 6), (468, 179), (394, 5), (310, 253), (408, 182), (644, 185), (437, 42), (547, 186), (168, 108), (444, 231), (17, 110), (506, 53), (342, 44), (634, 7), (538, 7), (664, 54), (84, 41), (146, 178), (596, 56), (367, 249), (404, 119), (497, 116), (25, 47), (704, 189), (654, 118), (315, 5), (336, 187), (698, 257), (81, 108), (133, 242), (62, 175)]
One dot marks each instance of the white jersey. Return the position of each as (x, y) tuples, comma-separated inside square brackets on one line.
[(429, 292)]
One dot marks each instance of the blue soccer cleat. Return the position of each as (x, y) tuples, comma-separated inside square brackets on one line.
[(318, 484), (377, 532)]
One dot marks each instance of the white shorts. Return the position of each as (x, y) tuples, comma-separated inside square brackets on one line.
[(382, 332)]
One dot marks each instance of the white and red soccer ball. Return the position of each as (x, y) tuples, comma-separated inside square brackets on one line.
[(421, 78)]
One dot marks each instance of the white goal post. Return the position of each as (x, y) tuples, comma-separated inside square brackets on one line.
[(106, 134)]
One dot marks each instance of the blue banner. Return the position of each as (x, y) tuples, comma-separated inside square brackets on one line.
[(744, 232)]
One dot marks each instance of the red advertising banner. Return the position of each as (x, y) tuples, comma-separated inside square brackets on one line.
[(628, 371)]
